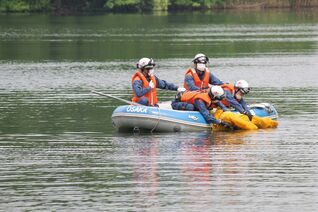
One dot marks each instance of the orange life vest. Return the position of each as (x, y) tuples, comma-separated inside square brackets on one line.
[(204, 84), (231, 89), (152, 94), (191, 96)]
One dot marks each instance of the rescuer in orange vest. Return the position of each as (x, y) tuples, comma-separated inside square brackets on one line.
[(205, 101), (145, 83), (199, 77), (234, 97)]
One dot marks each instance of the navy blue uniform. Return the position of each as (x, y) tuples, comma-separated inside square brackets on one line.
[(140, 91)]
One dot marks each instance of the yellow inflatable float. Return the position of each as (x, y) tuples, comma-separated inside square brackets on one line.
[(241, 121)]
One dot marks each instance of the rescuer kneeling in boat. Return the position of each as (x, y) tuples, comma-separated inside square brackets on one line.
[(205, 101), (234, 98), (145, 83), (199, 77)]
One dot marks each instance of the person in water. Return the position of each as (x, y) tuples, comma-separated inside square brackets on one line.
[(145, 83), (234, 98)]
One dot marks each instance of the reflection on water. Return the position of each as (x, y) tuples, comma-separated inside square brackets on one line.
[(198, 170), (59, 150), (161, 171)]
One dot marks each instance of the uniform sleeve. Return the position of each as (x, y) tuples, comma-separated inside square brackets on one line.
[(190, 83), (206, 114), (214, 80), (222, 106), (139, 90), (233, 102), (244, 106), (162, 84)]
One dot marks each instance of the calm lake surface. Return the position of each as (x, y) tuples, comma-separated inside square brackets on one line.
[(59, 151)]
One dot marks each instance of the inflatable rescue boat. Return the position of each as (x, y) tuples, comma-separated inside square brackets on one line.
[(165, 119)]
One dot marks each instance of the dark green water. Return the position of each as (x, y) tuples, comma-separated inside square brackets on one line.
[(59, 151)]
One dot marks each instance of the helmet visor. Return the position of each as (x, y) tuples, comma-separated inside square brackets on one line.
[(219, 97), (245, 90), (202, 59), (150, 64)]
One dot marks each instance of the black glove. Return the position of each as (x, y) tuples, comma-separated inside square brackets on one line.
[(250, 116), (227, 125)]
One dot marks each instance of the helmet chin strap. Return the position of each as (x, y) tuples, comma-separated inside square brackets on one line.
[(238, 95), (145, 73)]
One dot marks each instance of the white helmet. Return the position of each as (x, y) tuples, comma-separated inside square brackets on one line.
[(216, 92), (145, 63), (242, 85), (200, 58)]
